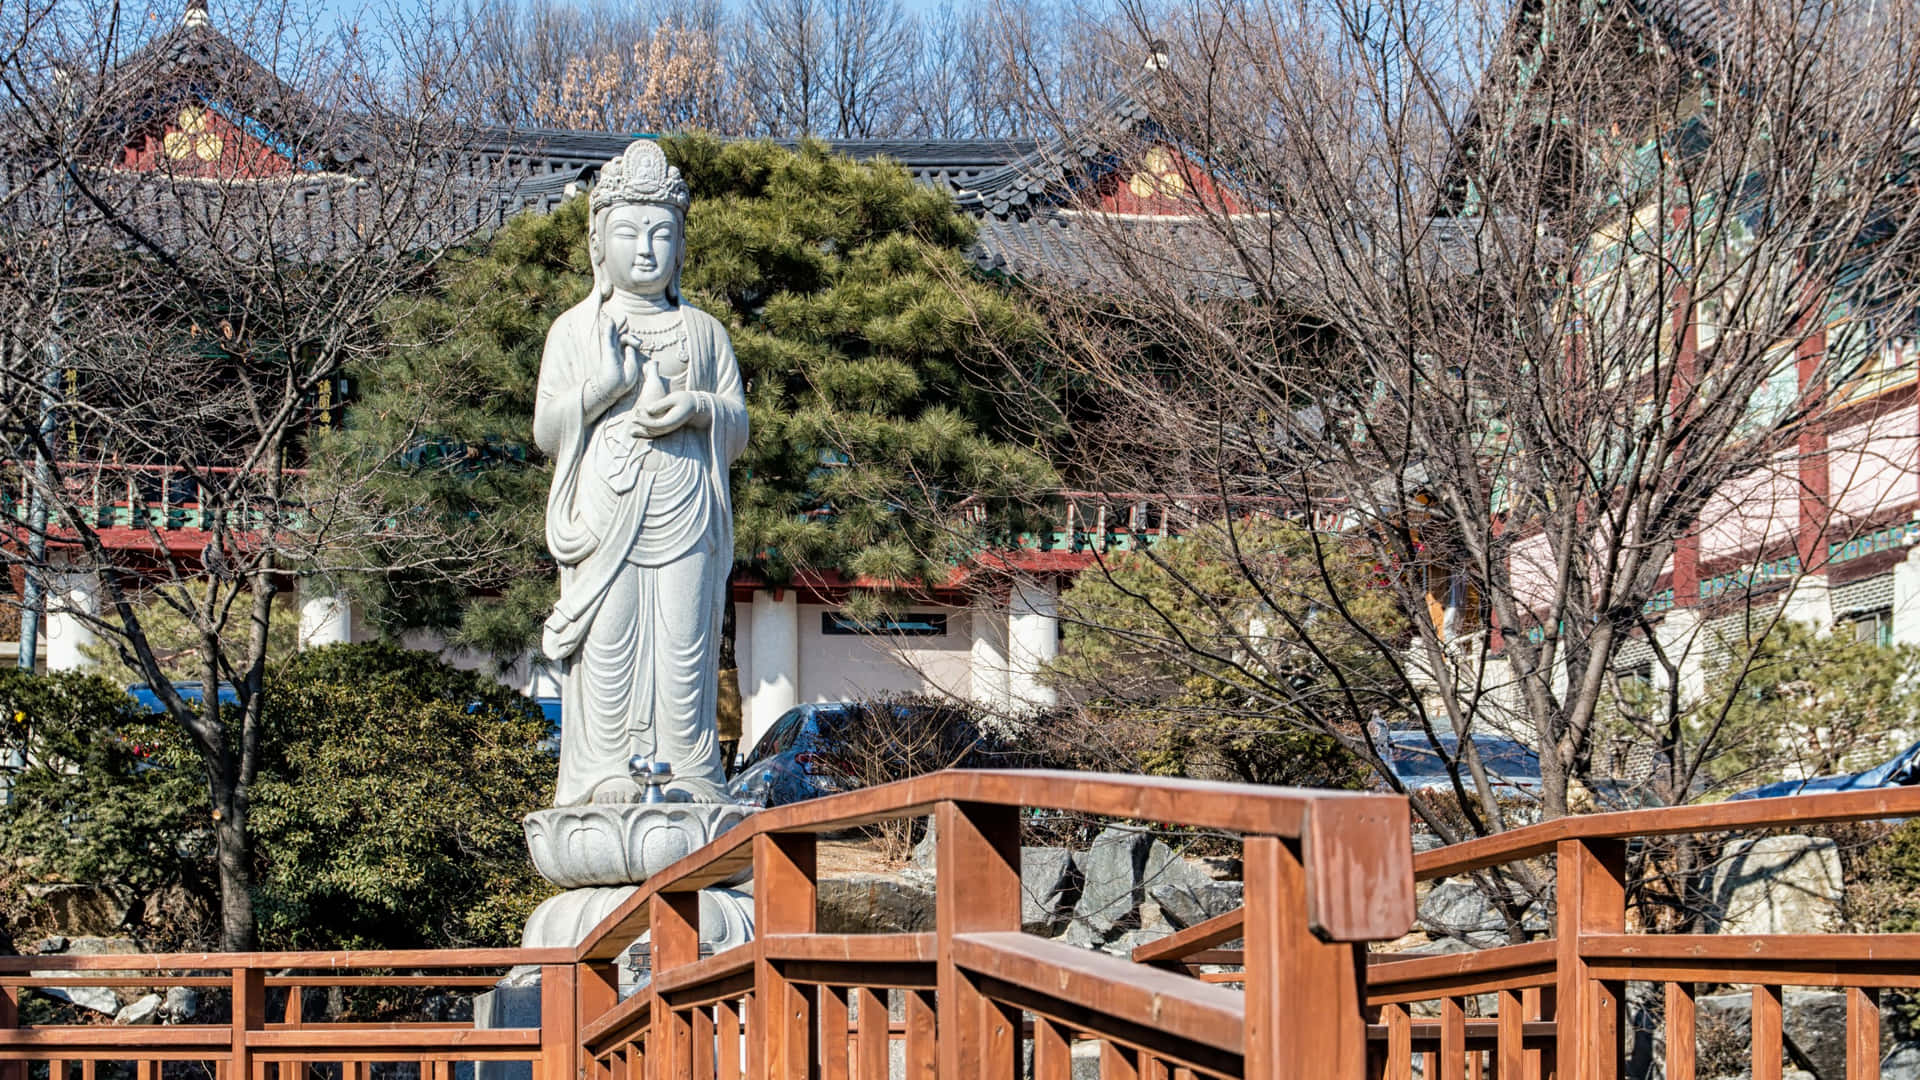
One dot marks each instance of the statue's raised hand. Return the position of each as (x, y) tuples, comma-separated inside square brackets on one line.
[(619, 371)]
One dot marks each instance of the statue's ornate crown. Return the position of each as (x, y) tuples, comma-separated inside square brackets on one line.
[(640, 175)]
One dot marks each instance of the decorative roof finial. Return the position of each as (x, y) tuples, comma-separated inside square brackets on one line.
[(196, 14)]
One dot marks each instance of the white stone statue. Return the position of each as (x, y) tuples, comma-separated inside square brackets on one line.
[(641, 409)]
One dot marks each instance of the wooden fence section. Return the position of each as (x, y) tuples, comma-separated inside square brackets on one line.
[(1558, 1005), (246, 1039)]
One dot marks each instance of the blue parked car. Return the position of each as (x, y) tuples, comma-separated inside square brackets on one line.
[(1513, 768), (1903, 770), (191, 692)]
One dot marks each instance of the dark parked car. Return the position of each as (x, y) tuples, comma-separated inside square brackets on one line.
[(812, 749), (1903, 770)]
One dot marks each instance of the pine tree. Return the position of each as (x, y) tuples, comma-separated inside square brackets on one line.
[(861, 331)]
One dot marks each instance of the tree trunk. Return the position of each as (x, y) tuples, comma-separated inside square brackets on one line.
[(235, 856)]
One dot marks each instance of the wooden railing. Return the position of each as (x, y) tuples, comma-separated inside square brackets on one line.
[(238, 1035), (1559, 1003), (1326, 873)]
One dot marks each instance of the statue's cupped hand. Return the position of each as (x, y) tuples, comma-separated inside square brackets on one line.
[(674, 411)]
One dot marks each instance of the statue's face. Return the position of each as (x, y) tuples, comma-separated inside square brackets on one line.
[(642, 247)]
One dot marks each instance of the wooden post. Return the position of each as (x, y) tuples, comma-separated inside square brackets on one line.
[(1769, 1041), (10, 1018), (249, 1014), (1592, 899), (673, 921), (784, 902), (596, 989), (1304, 996), (976, 889), (1682, 1035), (1863, 1034), (559, 1023)]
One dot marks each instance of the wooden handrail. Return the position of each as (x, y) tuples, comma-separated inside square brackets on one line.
[(1533, 841), (351, 960), (1181, 945), (1355, 845)]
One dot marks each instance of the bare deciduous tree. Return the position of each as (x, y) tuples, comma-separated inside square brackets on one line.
[(196, 245), (1540, 325)]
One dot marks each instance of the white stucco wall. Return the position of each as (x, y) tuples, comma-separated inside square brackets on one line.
[(837, 667)]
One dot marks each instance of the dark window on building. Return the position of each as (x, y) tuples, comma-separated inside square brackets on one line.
[(914, 624), (1875, 626)]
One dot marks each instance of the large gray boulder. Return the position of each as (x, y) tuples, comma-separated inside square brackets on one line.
[(1902, 1063), (1777, 885), (873, 904), (1048, 884), (181, 1004), (1186, 905), (1816, 1029), (140, 1013), (1112, 870), (1814, 1023), (98, 998)]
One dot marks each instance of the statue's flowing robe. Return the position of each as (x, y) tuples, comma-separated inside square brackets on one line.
[(643, 532)]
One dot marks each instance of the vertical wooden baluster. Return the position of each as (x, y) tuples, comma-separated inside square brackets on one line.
[(249, 1015), (1304, 1015), (750, 1035), (56, 1070), (831, 1050), (873, 1052), (1591, 900), (147, 1069), (1537, 1004), (1429, 1064), (294, 1013), (1766, 1033), (1117, 1064), (976, 888), (1512, 1036), (703, 1042), (89, 1069), (727, 1021), (1052, 1053), (1682, 1044), (1399, 1048), (922, 1053), (784, 902), (1453, 1039), (617, 1063), (1863, 1034), (1152, 1068), (559, 1023), (596, 988), (673, 921)]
